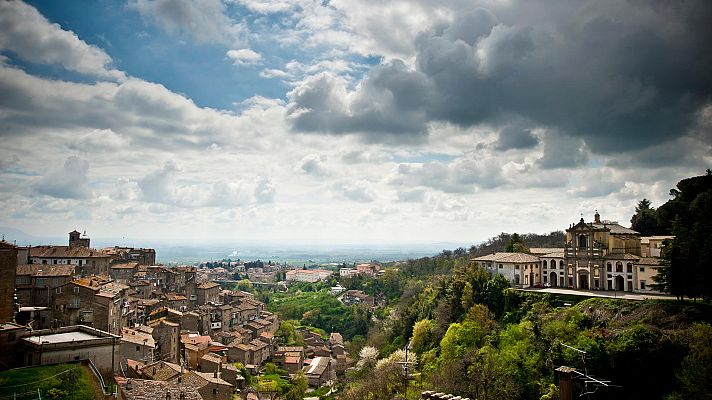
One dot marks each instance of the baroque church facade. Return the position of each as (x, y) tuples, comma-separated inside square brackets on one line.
[(597, 255)]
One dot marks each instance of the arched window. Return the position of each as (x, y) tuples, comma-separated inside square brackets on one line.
[(609, 267), (544, 264), (619, 266), (561, 264), (629, 268), (582, 241)]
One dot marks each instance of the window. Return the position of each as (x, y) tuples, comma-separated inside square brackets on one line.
[(642, 285), (44, 261), (500, 266), (76, 290), (215, 391), (54, 261), (642, 269), (629, 268), (582, 241), (544, 278), (609, 267), (544, 264), (595, 272), (58, 290), (516, 267), (561, 264), (138, 348), (619, 266)]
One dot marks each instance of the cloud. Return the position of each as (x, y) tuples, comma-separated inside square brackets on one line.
[(615, 83), (159, 186), (315, 165), (244, 56), (411, 196), (597, 183), (144, 113), (514, 136), (68, 182), (203, 21), (355, 191), (264, 191), (462, 175), (26, 33), (387, 107), (563, 152), (99, 140)]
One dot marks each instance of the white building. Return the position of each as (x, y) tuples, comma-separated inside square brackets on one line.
[(308, 275), (518, 268)]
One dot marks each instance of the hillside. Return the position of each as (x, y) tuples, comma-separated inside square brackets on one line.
[(58, 382)]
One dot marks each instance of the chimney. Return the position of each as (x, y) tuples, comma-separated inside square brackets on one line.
[(565, 386)]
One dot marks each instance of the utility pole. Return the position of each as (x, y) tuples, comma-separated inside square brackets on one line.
[(405, 365)]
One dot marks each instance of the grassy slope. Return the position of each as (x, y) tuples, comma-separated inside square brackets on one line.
[(77, 383)]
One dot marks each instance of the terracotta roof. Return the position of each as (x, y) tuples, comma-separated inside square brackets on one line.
[(92, 282), (113, 287), (164, 371), (509, 258), (650, 261), (208, 285), (65, 252), (538, 251), (317, 366), (140, 389), (128, 265), (615, 228), (45, 269), (291, 360), (621, 256), (137, 337), (200, 379), (188, 339), (213, 358)]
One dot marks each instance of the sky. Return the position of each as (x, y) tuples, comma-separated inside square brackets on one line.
[(346, 121)]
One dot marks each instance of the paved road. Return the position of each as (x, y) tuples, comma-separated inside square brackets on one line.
[(596, 293)]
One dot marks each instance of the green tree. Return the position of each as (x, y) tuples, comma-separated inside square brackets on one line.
[(298, 388), (695, 376), (686, 271), (645, 219), (422, 335), (515, 244)]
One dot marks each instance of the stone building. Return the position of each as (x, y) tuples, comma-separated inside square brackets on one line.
[(36, 282), (140, 256), (123, 272), (167, 337), (94, 301), (8, 267), (72, 343), (518, 268), (10, 335), (207, 292), (138, 345), (600, 255)]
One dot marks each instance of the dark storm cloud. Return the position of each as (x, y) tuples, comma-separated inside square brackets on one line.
[(515, 137), (619, 75)]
